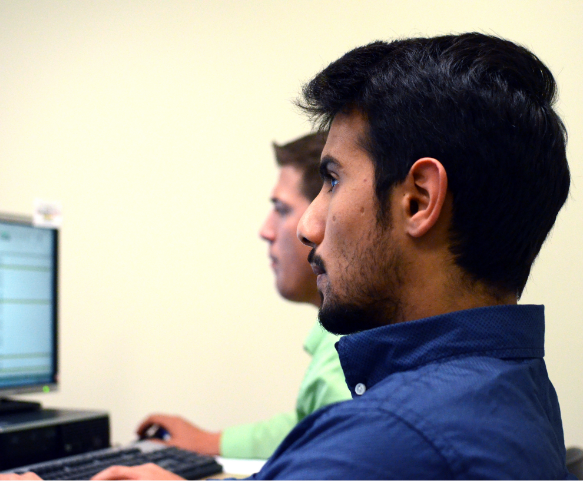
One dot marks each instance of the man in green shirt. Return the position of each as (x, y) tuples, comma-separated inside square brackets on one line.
[(298, 184)]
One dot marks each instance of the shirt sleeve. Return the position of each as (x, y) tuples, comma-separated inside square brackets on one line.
[(257, 440)]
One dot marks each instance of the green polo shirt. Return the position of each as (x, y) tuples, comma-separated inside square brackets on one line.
[(323, 384)]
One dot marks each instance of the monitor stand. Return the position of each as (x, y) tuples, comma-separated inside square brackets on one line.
[(12, 406)]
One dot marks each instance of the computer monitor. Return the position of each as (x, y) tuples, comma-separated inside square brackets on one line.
[(29, 261)]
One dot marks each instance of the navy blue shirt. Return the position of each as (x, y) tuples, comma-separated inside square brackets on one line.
[(462, 395)]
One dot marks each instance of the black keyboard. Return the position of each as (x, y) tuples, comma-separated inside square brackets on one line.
[(184, 463)]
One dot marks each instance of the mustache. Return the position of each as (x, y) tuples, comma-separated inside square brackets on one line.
[(316, 260)]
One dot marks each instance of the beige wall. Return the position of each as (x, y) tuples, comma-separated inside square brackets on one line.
[(152, 121)]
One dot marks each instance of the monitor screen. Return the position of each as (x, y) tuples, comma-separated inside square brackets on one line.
[(28, 306)]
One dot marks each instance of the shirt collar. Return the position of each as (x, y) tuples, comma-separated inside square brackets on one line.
[(315, 337), (499, 331)]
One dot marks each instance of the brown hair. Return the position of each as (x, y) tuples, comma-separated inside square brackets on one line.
[(304, 154)]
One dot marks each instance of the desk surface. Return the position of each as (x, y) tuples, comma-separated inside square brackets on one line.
[(242, 467)]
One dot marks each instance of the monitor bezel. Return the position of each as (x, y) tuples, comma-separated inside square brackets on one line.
[(53, 385)]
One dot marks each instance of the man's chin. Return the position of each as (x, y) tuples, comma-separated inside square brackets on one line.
[(344, 319)]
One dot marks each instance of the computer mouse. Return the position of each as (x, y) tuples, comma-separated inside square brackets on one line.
[(155, 432)]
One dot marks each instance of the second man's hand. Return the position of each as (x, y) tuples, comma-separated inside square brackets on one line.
[(183, 434)]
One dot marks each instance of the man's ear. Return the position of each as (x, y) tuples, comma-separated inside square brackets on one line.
[(424, 196)]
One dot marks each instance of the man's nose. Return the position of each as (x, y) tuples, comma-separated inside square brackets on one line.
[(312, 225), (267, 231)]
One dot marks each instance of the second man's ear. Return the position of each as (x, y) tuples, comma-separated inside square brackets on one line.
[(425, 190)]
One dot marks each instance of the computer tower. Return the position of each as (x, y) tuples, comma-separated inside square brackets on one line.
[(36, 436)]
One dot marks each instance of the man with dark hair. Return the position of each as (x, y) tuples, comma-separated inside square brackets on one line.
[(444, 171), (298, 184)]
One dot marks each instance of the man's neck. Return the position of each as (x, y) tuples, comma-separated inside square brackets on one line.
[(447, 293)]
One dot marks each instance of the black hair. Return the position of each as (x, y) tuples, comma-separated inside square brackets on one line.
[(304, 154), (482, 106)]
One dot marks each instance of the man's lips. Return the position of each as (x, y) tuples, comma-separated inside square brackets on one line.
[(317, 269), (316, 262)]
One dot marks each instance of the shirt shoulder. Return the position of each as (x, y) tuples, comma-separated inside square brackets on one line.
[(461, 404), (355, 441)]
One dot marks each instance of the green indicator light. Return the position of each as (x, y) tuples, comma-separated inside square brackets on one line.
[(46, 389)]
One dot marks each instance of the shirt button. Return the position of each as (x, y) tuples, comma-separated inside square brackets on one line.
[(359, 389)]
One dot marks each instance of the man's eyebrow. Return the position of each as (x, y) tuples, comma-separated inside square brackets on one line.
[(324, 165)]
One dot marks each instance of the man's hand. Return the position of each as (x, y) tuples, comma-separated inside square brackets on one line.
[(145, 471), (184, 434), (28, 475)]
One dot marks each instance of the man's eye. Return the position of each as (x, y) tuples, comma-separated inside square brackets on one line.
[(333, 183), (282, 210)]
